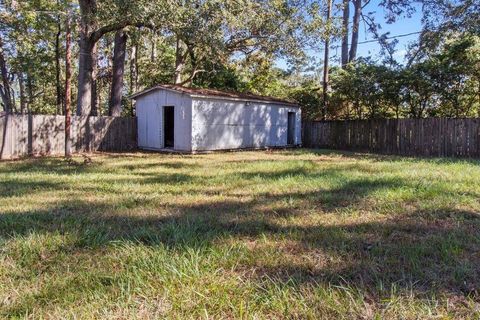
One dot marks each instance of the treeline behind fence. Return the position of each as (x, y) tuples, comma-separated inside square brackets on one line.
[(430, 137), (35, 135)]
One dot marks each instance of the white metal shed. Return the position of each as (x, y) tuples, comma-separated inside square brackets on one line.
[(188, 119)]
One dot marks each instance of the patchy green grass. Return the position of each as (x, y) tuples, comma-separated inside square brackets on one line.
[(284, 234)]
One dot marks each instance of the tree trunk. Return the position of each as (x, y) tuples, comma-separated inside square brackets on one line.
[(345, 21), (68, 80), (85, 69), (357, 4), (29, 91), (325, 62), (89, 36), (5, 89), (133, 74), (21, 86), (119, 53), (153, 53), (179, 62), (95, 96), (88, 10), (133, 68), (12, 94), (57, 69)]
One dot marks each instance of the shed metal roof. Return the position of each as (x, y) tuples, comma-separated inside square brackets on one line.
[(211, 93)]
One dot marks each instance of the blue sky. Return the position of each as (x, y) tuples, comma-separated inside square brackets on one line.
[(403, 25)]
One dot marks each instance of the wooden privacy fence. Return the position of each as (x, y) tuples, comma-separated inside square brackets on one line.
[(431, 137), (35, 135)]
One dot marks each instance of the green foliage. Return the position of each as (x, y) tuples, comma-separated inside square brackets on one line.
[(262, 77), (219, 76), (364, 90), (457, 77), (445, 84), (236, 45), (29, 31), (154, 67), (308, 95)]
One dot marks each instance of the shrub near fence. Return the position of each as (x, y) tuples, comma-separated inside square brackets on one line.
[(24, 135), (431, 137)]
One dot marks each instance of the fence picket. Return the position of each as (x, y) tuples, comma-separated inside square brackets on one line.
[(21, 135), (414, 137)]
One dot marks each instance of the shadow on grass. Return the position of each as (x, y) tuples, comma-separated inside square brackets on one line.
[(380, 157), (48, 165), (14, 187), (435, 250), (76, 166), (429, 251)]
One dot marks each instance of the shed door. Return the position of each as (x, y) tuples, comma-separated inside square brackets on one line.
[(291, 128), (169, 126)]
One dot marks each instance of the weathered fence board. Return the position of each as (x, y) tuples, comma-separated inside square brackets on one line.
[(431, 137), (35, 135)]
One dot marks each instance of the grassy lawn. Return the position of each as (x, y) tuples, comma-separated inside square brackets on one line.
[(284, 234)]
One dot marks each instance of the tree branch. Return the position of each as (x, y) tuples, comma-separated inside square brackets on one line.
[(97, 34), (192, 75)]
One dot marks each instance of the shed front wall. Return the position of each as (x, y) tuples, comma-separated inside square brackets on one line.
[(224, 124), (149, 111)]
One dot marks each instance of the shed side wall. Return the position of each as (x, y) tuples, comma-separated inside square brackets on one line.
[(221, 124)]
